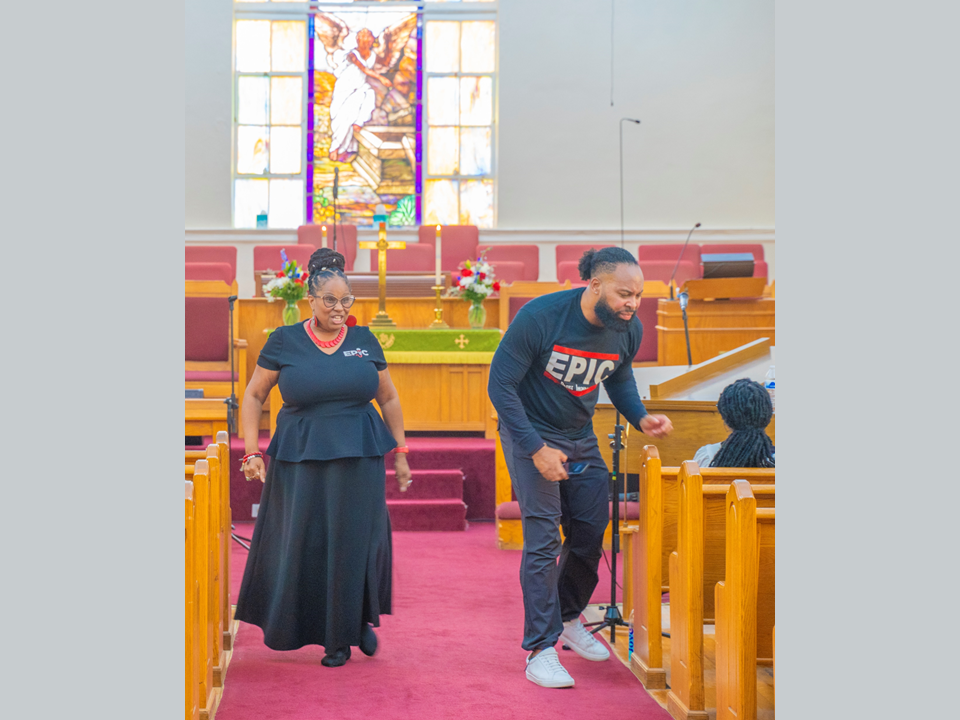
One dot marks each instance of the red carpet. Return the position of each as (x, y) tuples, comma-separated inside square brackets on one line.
[(451, 650)]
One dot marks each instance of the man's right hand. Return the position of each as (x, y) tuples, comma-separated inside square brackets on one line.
[(549, 462)]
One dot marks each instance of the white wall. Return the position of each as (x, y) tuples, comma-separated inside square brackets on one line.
[(698, 74)]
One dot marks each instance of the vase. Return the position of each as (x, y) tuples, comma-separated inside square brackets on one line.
[(291, 314), (477, 316)]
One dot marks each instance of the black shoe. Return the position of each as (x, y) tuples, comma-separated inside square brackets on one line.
[(368, 640), (336, 658)]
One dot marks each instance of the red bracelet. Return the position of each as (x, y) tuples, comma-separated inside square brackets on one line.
[(243, 460), (402, 449)]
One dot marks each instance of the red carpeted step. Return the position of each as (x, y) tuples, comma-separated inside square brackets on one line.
[(427, 485), (444, 515)]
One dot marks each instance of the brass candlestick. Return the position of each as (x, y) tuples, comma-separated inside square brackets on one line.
[(438, 323)]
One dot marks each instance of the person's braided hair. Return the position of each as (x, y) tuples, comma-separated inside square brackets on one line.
[(604, 260), (746, 409), (324, 265)]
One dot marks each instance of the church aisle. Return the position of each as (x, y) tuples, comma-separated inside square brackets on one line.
[(451, 650)]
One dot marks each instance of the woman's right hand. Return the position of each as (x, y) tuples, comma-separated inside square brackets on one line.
[(254, 468)]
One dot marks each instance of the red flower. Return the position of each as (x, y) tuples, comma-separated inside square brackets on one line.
[(481, 276), (280, 274), (496, 286), (466, 272)]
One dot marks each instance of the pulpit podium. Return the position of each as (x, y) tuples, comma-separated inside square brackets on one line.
[(722, 314)]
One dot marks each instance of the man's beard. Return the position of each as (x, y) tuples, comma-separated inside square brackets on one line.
[(610, 319)]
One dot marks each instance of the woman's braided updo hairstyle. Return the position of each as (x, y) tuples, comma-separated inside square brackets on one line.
[(604, 260), (746, 409), (324, 265)]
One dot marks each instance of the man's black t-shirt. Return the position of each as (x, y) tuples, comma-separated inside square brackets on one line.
[(545, 374)]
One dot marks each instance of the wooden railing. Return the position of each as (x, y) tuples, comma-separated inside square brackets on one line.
[(208, 610)]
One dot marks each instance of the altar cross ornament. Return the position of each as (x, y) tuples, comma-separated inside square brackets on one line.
[(462, 341), (381, 246)]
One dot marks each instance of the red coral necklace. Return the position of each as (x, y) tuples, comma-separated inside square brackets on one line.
[(325, 343)]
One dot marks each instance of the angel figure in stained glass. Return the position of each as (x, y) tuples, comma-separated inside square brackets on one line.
[(354, 98)]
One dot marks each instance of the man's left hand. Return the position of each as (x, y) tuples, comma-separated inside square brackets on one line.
[(657, 426)]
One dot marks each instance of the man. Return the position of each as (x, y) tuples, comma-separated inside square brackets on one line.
[(543, 383)]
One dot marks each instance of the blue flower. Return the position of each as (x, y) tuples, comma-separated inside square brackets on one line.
[(283, 256)]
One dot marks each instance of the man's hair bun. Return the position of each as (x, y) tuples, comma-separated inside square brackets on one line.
[(597, 262)]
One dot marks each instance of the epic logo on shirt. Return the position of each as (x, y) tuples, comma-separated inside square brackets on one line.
[(355, 353), (578, 371)]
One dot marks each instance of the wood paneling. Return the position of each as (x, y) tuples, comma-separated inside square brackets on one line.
[(716, 326)]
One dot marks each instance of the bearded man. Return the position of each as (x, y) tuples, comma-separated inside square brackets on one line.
[(544, 382)]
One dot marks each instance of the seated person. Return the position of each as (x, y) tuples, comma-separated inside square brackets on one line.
[(746, 411)]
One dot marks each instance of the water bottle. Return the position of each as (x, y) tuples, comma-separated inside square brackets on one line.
[(770, 383), (630, 643)]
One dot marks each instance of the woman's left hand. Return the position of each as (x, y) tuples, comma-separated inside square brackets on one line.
[(403, 471)]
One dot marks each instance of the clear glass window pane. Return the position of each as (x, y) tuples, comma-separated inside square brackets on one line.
[(442, 148), (289, 46), (287, 202), (442, 51), (476, 101), (253, 46), (477, 42), (250, 198), (440, 201), (253, 149), (443, 101), (252, 100), (286, 100), (475, 151), (476, 203), (285, 150)]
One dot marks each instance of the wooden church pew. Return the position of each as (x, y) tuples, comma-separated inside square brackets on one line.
[(191, 608), (744, 601), (701, 547), (204, 572), (649, 549)]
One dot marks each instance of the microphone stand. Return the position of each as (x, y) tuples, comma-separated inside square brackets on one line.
[(336, 188), (612, 618), (684, 298), (682, 251), (621, 172)]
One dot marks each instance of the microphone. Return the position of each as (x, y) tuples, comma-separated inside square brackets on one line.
[(351, 321), (683, 298), (683, 303)]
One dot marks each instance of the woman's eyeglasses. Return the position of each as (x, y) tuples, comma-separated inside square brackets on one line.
[(330, 301)]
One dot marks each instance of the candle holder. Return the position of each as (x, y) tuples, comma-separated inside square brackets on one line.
[(438, 323)]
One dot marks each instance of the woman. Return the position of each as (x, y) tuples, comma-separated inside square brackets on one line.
[(319, 566), (746, 410)]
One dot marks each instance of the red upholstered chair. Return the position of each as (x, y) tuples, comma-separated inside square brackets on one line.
[(457, 243), (209, 271), (346, 239), (662, 269), (207, 341), (415, 257), (668, 251), (647, 314), (568, 270), (570, 252), (755, 249), (213, 253), (267, 257), (527, 255), (509, 271)]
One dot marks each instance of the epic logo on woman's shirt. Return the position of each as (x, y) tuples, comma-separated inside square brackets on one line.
[(578, 371), (355, 353)]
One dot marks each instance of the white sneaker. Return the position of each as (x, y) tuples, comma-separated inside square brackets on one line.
[(583, 642), (546, 671)]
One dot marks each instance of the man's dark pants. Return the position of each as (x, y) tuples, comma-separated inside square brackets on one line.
[(554, 594)]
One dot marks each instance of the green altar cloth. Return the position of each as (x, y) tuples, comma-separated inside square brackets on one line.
[(456, 346)]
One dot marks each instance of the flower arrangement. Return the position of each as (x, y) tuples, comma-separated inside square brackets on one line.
[(289, 285), (476, 283)]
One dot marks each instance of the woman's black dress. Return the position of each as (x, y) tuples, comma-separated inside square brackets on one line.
[(320, 558)]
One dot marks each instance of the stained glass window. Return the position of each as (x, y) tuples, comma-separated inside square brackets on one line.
[(394, 99)]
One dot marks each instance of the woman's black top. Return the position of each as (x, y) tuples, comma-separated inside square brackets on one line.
[(326, 413)]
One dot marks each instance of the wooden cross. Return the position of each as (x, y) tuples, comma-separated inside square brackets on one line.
[(381, 246), (462, 341)]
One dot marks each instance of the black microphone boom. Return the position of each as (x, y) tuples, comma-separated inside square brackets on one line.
[(336, 190), (682, 251)]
